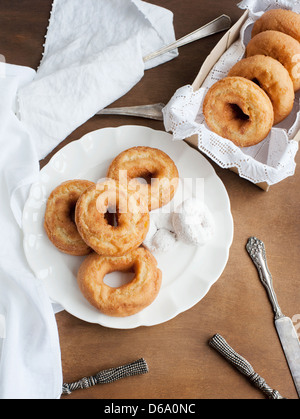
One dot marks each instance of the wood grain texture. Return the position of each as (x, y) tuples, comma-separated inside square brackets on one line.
[(181, 364)]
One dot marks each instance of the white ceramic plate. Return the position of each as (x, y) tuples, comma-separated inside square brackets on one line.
[(188, 272)]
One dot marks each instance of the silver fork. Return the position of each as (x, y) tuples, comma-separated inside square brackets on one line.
[(154, 111)]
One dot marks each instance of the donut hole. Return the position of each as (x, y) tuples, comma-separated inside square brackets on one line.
[(256, 81), (111, 217), (143, 175), (237, 113), (71, 214), (117, 279), (146, 179)]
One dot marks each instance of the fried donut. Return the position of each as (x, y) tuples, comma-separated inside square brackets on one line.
[(132, 218), (237, 109), (59, 217), (273, 78), (148, 163), (127, 299), (281, 20), (282, 48)]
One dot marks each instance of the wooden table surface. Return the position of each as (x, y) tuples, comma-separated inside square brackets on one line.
[(181, 364)]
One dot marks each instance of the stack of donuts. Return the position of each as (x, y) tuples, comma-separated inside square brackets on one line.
[(108, 222), (259, 90)]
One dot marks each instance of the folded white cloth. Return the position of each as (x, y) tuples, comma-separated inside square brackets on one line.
[(30, 355), (93, 55)]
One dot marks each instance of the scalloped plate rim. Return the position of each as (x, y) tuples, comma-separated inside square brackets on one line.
[(70, 308)]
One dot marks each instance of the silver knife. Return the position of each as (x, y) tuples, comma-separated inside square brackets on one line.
[(284, 325)]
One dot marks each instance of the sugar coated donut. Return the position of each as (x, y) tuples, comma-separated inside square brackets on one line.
[(281, 20), (273, 78), (59, 217), (127, 299), (237, 109), (282, 48), (132, 218), (193, 222), (151, 164)]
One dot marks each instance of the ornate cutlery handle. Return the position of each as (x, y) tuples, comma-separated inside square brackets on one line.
[(219, 343), (107, 376), (257, 252), (144, 111), (220, 24)]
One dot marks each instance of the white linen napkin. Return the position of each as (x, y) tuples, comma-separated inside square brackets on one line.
[(30, 364), (93, 55)]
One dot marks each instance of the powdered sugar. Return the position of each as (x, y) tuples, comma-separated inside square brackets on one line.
[(193, 222), (161, 237)]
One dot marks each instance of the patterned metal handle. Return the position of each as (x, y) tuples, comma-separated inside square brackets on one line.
[(219, 343), (257, 252)]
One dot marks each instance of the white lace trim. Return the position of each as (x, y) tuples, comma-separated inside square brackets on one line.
[(270, 161)]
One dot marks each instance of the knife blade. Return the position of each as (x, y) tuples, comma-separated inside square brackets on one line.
[(284, 326)]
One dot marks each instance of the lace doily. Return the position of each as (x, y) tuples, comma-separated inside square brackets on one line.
[(270, 161)]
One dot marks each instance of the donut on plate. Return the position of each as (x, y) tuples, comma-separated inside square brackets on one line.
[(273, 78), (131, 224), (59, 217), (157, 170), (127, 299), (282, 48), (237, 109), (281, 20)]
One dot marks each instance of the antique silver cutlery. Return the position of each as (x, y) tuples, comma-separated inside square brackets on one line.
[(154, 111), (241, 364), (220, 24), (145, 111), (107, 376), (284, 325)]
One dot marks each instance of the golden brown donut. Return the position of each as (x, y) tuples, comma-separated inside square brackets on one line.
[(282, 48), (127, 299), (131, 213), (148, 163), (273, 78), (281, 20), (59, 217), (237, 109)]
